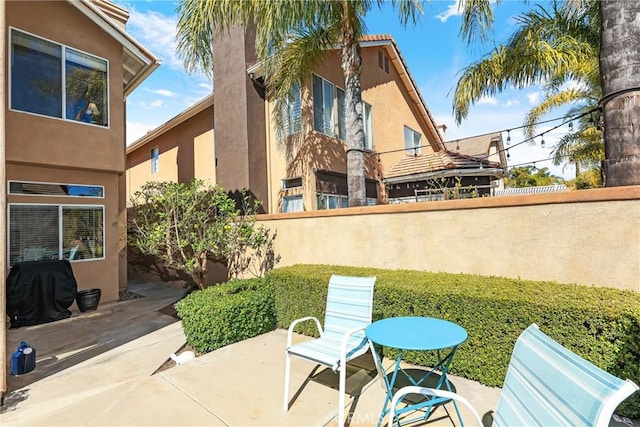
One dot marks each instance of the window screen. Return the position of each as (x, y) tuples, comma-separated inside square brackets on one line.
[(38, 232)]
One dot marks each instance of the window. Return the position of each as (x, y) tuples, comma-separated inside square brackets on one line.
[(332, 201), (412, 141), (323, 96), (342, 126), (293, 106), (155, 155), (54, 189), (53, 80), (71, 232), (335, 201), (292, 204), (368, 127), (383, 61), (291, 183)]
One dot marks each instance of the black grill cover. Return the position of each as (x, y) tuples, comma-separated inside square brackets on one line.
[(40, 292)]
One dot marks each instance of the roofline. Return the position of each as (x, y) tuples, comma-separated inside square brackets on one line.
[(125, 39), (256, 71), (196, 108), (407, 78)]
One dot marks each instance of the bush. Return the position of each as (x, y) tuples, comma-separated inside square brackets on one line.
[(225, 314), (601, 325)]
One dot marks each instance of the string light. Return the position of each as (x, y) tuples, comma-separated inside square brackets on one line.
[(542, 141), (566, 120)]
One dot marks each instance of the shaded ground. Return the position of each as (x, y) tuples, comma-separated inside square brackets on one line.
[(64, 343)]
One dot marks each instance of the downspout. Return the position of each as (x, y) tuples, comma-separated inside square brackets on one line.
[(3, 209)]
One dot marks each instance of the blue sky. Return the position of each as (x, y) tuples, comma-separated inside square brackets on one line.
[(434, 52)]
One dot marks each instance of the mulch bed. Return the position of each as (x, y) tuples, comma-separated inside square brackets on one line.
[(126, 295)]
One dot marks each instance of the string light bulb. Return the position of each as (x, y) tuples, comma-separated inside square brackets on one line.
[(508, 136), (508, 155), (571, 126), (542, 141)]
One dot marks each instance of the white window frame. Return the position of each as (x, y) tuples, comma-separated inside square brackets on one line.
[(328, 119), (54, 195), (412, 141), (154, 159), (61, 208), (294, 198), (367, 119), (63, 81), (294, 111)]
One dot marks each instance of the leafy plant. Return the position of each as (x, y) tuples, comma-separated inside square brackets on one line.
[(188, 225)]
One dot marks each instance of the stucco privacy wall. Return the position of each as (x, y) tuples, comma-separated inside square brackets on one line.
[(589, 237)]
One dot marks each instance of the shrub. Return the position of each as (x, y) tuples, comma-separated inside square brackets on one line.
[(225, 314), (601, 325)]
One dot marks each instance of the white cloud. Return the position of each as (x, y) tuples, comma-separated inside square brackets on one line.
[(136, 130), (487, 100), (158, 33), (452, 10), (511, 103), (533, 97), (157, 103), (163, 92)]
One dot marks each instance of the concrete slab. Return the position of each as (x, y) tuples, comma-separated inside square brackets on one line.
[(114, 381)]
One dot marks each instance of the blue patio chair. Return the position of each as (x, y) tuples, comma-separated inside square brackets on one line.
[(546, 385), (348, 312)]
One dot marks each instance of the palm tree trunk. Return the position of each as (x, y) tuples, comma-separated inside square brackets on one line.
[(351, 67), (620, 71)]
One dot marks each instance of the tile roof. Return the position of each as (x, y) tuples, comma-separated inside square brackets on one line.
[(432, 162)]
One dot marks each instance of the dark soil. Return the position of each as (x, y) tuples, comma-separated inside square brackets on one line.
[(170, 310)]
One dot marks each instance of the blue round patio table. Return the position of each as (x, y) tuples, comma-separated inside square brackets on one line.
[(417, 334)]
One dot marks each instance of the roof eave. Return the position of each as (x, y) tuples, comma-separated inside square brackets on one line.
[(197, 108), (130, 45)]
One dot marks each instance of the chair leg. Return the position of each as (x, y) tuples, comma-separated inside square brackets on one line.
[(341, 391), (285, 405)]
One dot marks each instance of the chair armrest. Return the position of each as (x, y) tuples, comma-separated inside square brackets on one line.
[(344, 342), (295, 322), (429, 392)]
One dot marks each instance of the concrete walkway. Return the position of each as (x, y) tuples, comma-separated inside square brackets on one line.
[(239, 385)]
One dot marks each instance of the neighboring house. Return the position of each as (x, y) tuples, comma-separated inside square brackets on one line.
[(306, 171), (71, 64), (469, 167)]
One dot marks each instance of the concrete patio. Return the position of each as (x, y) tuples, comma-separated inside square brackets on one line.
[(100, 369)]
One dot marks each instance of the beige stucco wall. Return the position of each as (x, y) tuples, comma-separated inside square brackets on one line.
[(589, 237), (54, 142), (46, 149), (204, 157), (185, 152)]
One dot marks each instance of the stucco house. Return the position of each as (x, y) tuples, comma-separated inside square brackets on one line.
[(70, 66), (232, 141)]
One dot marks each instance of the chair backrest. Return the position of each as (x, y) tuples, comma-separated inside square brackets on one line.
[(349, 306), (546, 384)]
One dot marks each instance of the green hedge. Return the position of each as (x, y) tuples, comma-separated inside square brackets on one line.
[(225, 314), (600, 324)]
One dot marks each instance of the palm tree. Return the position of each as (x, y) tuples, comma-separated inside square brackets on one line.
[(619, 65), (292, 38), (552, 47), (620, 70)]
